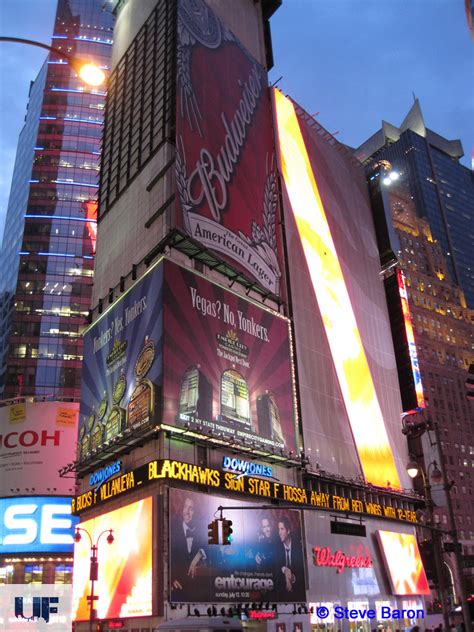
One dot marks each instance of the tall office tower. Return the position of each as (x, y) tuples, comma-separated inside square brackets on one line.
[(442, 188), (49, 240), (444, 335)]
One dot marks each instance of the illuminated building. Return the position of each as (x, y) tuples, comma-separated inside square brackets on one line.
[(442, 325), (442, 188), (49, 241), (216, 369)]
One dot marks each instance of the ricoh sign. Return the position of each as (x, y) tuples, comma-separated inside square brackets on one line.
[(30, 438), (36, 440)]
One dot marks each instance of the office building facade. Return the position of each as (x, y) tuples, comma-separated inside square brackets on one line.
[(49, 241), (442, 188)]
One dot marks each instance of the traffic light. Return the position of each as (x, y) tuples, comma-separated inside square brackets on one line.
[(227, 531), (213, 532)]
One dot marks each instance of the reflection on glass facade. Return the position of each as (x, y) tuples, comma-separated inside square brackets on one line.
[(50, 231), (441, 187)]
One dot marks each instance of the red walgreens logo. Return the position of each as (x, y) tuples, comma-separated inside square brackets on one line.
[(322, 556)]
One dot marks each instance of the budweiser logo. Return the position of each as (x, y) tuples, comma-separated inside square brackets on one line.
[(322, 556)]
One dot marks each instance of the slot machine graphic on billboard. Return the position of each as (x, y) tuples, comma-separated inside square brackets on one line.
[(225, 169), (121, 376), (227, 367), (263, 563)]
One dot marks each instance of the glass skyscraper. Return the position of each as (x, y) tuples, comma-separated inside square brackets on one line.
[(49, 241), (442, 188)]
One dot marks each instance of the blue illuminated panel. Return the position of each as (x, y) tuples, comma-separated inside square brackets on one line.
[(36, 524)]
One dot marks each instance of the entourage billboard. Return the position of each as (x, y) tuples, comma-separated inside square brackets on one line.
[(227, 364), (124, 583), (263, 563), (225, 168)]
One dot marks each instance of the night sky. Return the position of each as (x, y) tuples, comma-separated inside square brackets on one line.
[(355, 62)]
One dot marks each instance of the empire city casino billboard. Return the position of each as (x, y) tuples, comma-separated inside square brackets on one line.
[(306, 164), (225, 168), (124, 583), (227, 367), (265, 561)]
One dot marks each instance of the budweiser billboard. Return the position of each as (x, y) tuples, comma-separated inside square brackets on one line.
[(225, 171), (36, 440)]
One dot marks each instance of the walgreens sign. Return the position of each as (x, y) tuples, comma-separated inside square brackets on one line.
[(324, 556)]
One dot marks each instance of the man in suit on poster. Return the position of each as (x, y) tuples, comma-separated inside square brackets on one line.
[(289, 567), (187, 553)]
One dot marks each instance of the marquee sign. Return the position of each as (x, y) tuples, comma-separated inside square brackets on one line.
[(168, 470), (240, 467), (323, 556)]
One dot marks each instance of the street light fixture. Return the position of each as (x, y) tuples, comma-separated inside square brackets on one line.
[(89, 72), (94, 567), (415, 469)]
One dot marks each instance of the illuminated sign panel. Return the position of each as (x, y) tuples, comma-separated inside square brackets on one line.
[(411, 340), (36, 440), (225, 173), (240, 467), (403, 562), (36, 525), (121, 374), (124, 582), (196, 475), (265, 561), (35, 607), (329, 287), (226, 364)]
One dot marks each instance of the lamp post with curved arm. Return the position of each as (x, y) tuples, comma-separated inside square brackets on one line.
[(89, 73), (414, 468), (94, 567)]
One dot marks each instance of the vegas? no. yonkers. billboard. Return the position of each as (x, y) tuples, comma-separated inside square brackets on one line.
[(225, 167), (227, 366)]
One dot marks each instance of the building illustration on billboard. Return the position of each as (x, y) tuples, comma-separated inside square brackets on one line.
[(225, 170), (226, 364), (264, 563)]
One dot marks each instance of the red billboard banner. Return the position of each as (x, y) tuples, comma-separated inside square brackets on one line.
[(265, 561), (225, 168), (226, 363)]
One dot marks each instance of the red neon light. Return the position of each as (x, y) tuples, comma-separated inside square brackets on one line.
[(415, 367), (90, 209), (322, 556), (257, 614)]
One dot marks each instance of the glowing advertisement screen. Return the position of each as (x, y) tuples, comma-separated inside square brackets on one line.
[(227, 368), (121, 374), (329, 286), (410, 339), (124, 582), (403, 562), (264, 562), (225, 169), (36, 525)]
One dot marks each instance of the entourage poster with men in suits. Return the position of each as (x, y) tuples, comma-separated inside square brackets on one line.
[(264, 562)]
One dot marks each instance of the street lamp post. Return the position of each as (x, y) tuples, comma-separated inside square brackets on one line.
[(87, 71), (94, 567), (413, 470)]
